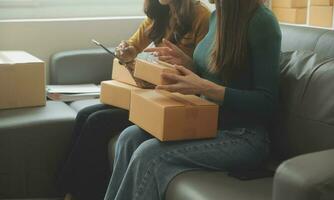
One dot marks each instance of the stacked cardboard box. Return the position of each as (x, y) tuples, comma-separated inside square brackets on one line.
[(290, 11), (22, 80), (167, 116), (116, 93), (321, 13)]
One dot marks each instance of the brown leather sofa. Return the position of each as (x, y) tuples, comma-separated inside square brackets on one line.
[(302, 135)]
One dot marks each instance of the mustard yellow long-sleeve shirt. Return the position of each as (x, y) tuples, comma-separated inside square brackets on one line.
[(200, 27)]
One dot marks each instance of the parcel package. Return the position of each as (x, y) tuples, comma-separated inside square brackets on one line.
[(151, 71), (22, 80), (125, 74), (172, 116), (122, 74), (116, 94)]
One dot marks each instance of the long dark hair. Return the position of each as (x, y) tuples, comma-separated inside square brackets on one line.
[(230, 49), (161, 16)]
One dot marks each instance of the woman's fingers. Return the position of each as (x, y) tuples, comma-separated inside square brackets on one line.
[(167, 43), (172, 77), (124, 44), (163, 51), (183, 70), (157, 49), (165, 58)]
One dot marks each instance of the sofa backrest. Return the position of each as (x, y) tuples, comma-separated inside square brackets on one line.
[(305, 121), (80, 67)]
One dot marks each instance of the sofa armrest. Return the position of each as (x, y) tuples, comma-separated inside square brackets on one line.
[(80, 67), (306, 177)]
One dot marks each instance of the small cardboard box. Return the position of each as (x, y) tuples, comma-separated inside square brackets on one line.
[(322, 2), (289, 3), (321, 16), (22, 80), (291, 15), (151, 72), (122, 74), (116, 94), (171, 116)]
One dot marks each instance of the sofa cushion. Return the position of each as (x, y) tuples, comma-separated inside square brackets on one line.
[(305, 121), (300, 38), (33, 144), (204, 185), (80, 67)]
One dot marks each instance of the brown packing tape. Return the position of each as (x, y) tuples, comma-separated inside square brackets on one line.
[(192, 115), (176, 98)]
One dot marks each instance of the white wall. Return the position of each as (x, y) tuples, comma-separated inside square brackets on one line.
[(43, 38)]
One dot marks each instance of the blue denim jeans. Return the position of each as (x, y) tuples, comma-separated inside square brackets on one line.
[(144, 166)]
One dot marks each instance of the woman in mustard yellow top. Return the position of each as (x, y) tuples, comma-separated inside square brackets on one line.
[(184, 23), (86, 172)]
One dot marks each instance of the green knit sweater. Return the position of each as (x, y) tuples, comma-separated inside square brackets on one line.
[(250, 100)]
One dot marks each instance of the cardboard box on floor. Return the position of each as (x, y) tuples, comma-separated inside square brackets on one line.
[(291, 15), (116, 94), (322, 2), (289, 3), (170, 116), (151, 72), (22, 80), (321, 16)]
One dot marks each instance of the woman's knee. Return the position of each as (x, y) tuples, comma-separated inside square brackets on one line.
[(84, 113), (150, 150), (132, 134)]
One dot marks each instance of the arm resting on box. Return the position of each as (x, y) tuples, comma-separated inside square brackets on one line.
[(307, 177)]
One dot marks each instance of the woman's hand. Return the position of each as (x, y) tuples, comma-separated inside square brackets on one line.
[(186, 83), (190, 83), (172, 54), (126, 52)]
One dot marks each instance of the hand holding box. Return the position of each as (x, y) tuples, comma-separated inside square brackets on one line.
[(151, 72)]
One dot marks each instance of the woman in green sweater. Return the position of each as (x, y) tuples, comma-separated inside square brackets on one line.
[(236, 66)]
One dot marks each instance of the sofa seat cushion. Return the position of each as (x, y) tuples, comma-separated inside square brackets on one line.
[(79, 105), (204, 185), (22, 117), (33, 144)]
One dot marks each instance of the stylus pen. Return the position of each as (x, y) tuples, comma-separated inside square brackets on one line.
[(111, 52)]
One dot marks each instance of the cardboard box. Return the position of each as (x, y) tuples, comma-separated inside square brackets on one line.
[(171, 116), (22, 80), (322, 2), (289, 3), (151, 72), (321, 16), (291, 15), (122, 74), (116, 94)]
